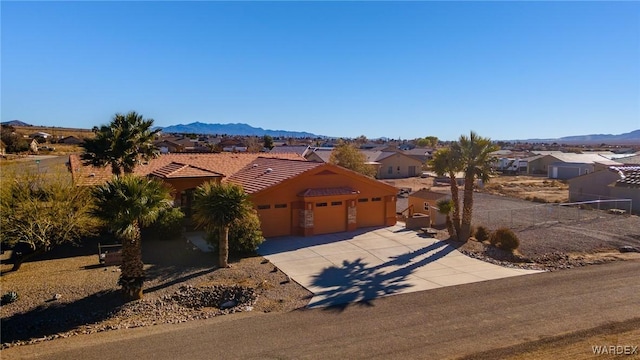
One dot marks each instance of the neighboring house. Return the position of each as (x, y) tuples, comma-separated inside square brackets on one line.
[(168, 146), (616, 182), (233, 145), (425, 202), (630, 160), (565, 166), (71, 140), (33, 146), (389, 164), (41, 134), (421, 154), (301, 150), (309, 198)]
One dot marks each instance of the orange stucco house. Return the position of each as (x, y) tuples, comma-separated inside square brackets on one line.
[(294, 197), (291, 195)]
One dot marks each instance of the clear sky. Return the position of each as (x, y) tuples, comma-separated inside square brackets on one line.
[(508, 70)]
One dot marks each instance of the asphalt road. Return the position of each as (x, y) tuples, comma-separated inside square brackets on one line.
[(447, 322)]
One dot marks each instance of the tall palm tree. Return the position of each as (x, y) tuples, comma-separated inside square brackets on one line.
[(215, 207), (447, 162), (445, 206), (122, 143), (125, 204), (475, 153)]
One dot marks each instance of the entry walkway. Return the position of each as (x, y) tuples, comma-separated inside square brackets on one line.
[(369, 263)]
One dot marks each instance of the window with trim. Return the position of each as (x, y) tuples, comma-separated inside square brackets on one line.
[(426, 206), (376, 199), (280, 206), (336, 203), (264, 207), (322, 204), (363, 200)]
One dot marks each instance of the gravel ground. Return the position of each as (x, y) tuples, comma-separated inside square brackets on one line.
[(179, 280)]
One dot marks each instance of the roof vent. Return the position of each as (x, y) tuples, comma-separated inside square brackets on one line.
[(269, 170), (255, 165), (92, 175)]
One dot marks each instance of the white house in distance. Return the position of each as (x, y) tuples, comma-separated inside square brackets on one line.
[(616, 182), (563, 166)]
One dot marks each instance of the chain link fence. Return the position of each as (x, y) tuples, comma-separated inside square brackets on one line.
[(549, 214)]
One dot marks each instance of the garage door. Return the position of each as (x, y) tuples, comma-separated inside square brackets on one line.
[(330, 217), (275, 219), (370, 212)]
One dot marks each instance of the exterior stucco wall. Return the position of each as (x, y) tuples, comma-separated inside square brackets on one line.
[(398, 166)]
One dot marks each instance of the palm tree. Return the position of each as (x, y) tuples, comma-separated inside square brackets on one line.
[(125, 204), (122, 143), (475, 153), (445, 206), (447, 162), (215, 207)]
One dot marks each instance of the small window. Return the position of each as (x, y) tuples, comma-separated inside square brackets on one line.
[(336, 203), (281, 206), (376, 199), (322, 204), (363, 200), (426, 206), (390, 170), (264, 207)]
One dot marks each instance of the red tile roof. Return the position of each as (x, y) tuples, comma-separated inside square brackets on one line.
[(328, 192), (177, 170), (265, 172), (225, 164)]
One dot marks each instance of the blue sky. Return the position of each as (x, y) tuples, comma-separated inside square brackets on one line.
[(508, 70)]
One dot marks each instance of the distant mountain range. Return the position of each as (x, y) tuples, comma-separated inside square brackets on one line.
[(232, 129), (15, 123), (632, 137)]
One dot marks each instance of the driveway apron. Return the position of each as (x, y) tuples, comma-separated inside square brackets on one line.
[(369, 263)]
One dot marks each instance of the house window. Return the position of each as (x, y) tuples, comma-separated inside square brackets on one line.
[(336, 203), (376, 199), (264, 207), (390, 170), (426, 206), (280, 206), (322, 204), (363, 200)]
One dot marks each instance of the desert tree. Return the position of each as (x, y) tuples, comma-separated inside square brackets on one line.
[(447, 162), (123, 143), (125, 204), (475, 153), (348, 156), (215, 208)]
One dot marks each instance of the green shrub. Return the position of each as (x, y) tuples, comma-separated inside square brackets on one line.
[(168, 226), (245, 235), (505, 239), (482, 233)]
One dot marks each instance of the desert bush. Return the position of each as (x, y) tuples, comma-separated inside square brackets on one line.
[(168, 225), (245, 235), (482, 233), (505, 239)]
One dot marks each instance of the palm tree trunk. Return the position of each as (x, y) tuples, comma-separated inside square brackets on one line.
[(455, 197), (132, 277), (223, 251), (467, 207), (450, 229)]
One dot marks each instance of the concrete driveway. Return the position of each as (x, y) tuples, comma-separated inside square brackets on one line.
[(369, 263)]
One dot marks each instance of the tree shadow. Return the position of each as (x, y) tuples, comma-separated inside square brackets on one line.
[(357, 283), (55, 317)]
